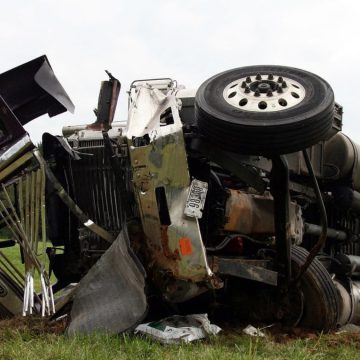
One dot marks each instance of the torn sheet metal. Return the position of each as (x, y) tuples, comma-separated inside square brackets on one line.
[(161, 183), (32, 90), (111, 296), (176, 329)]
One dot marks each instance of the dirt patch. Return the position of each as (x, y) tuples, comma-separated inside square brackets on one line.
[(34, 325), (347, 339), (281, 334)]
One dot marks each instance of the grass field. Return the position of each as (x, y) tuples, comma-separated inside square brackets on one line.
[(32, 338), (19, 340), (13, 254)]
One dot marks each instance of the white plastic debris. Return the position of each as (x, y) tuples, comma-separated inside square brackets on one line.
[(253, 331), (349, 328), (176, 329)]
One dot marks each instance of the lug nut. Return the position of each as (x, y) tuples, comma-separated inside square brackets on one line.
[(284, 85), (243, 84), (270, 76), (258, 77), (248, 79), (269, 93), (247, 90), (279, 89), (257, 92), (280, 79)]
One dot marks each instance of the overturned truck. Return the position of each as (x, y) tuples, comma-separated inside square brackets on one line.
[(244, 193)]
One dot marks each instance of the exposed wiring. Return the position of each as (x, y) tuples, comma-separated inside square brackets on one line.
[(216, 178), (231, 237)]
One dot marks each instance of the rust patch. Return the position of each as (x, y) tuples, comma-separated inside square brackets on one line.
[(173, 255), (214, 263), (249, 214)]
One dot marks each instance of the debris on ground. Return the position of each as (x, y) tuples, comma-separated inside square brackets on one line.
[(176, 329), (253, 331), (349, 328)]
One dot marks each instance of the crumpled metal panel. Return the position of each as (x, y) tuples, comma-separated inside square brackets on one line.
[(176, 247), (32, 90), (111, 296)]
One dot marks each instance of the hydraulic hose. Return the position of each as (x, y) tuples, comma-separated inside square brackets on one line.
[(323, 219)]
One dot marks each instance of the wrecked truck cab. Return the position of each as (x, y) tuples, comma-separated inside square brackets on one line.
[(244, 190)]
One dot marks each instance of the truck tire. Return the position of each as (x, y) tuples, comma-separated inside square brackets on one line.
[(264, 110), (321, 304)]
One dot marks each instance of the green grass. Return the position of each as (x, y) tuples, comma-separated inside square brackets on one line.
[(13, 254), (31, 339), (25, 344)]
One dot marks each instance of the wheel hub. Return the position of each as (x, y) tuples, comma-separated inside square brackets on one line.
[(264, 93), (263, 87)]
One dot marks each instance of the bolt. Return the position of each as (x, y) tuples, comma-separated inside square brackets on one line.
[(243, 84), (279, 89), (248, 79), (284, 85), (258, 77), (271, 76), (247, 90), (257, 92), (269, 93), (280, 79)]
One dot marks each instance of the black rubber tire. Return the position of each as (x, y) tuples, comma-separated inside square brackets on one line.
[(321, 304), (268, 133)]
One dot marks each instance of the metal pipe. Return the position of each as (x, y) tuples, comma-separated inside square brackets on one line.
[(313, 229)]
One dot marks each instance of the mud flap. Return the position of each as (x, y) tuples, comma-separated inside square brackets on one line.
[(111, 296)]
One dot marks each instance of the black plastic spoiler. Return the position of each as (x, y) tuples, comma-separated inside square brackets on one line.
[(32, 90)]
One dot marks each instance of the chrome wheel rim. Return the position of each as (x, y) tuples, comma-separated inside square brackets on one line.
[(264, 93)]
